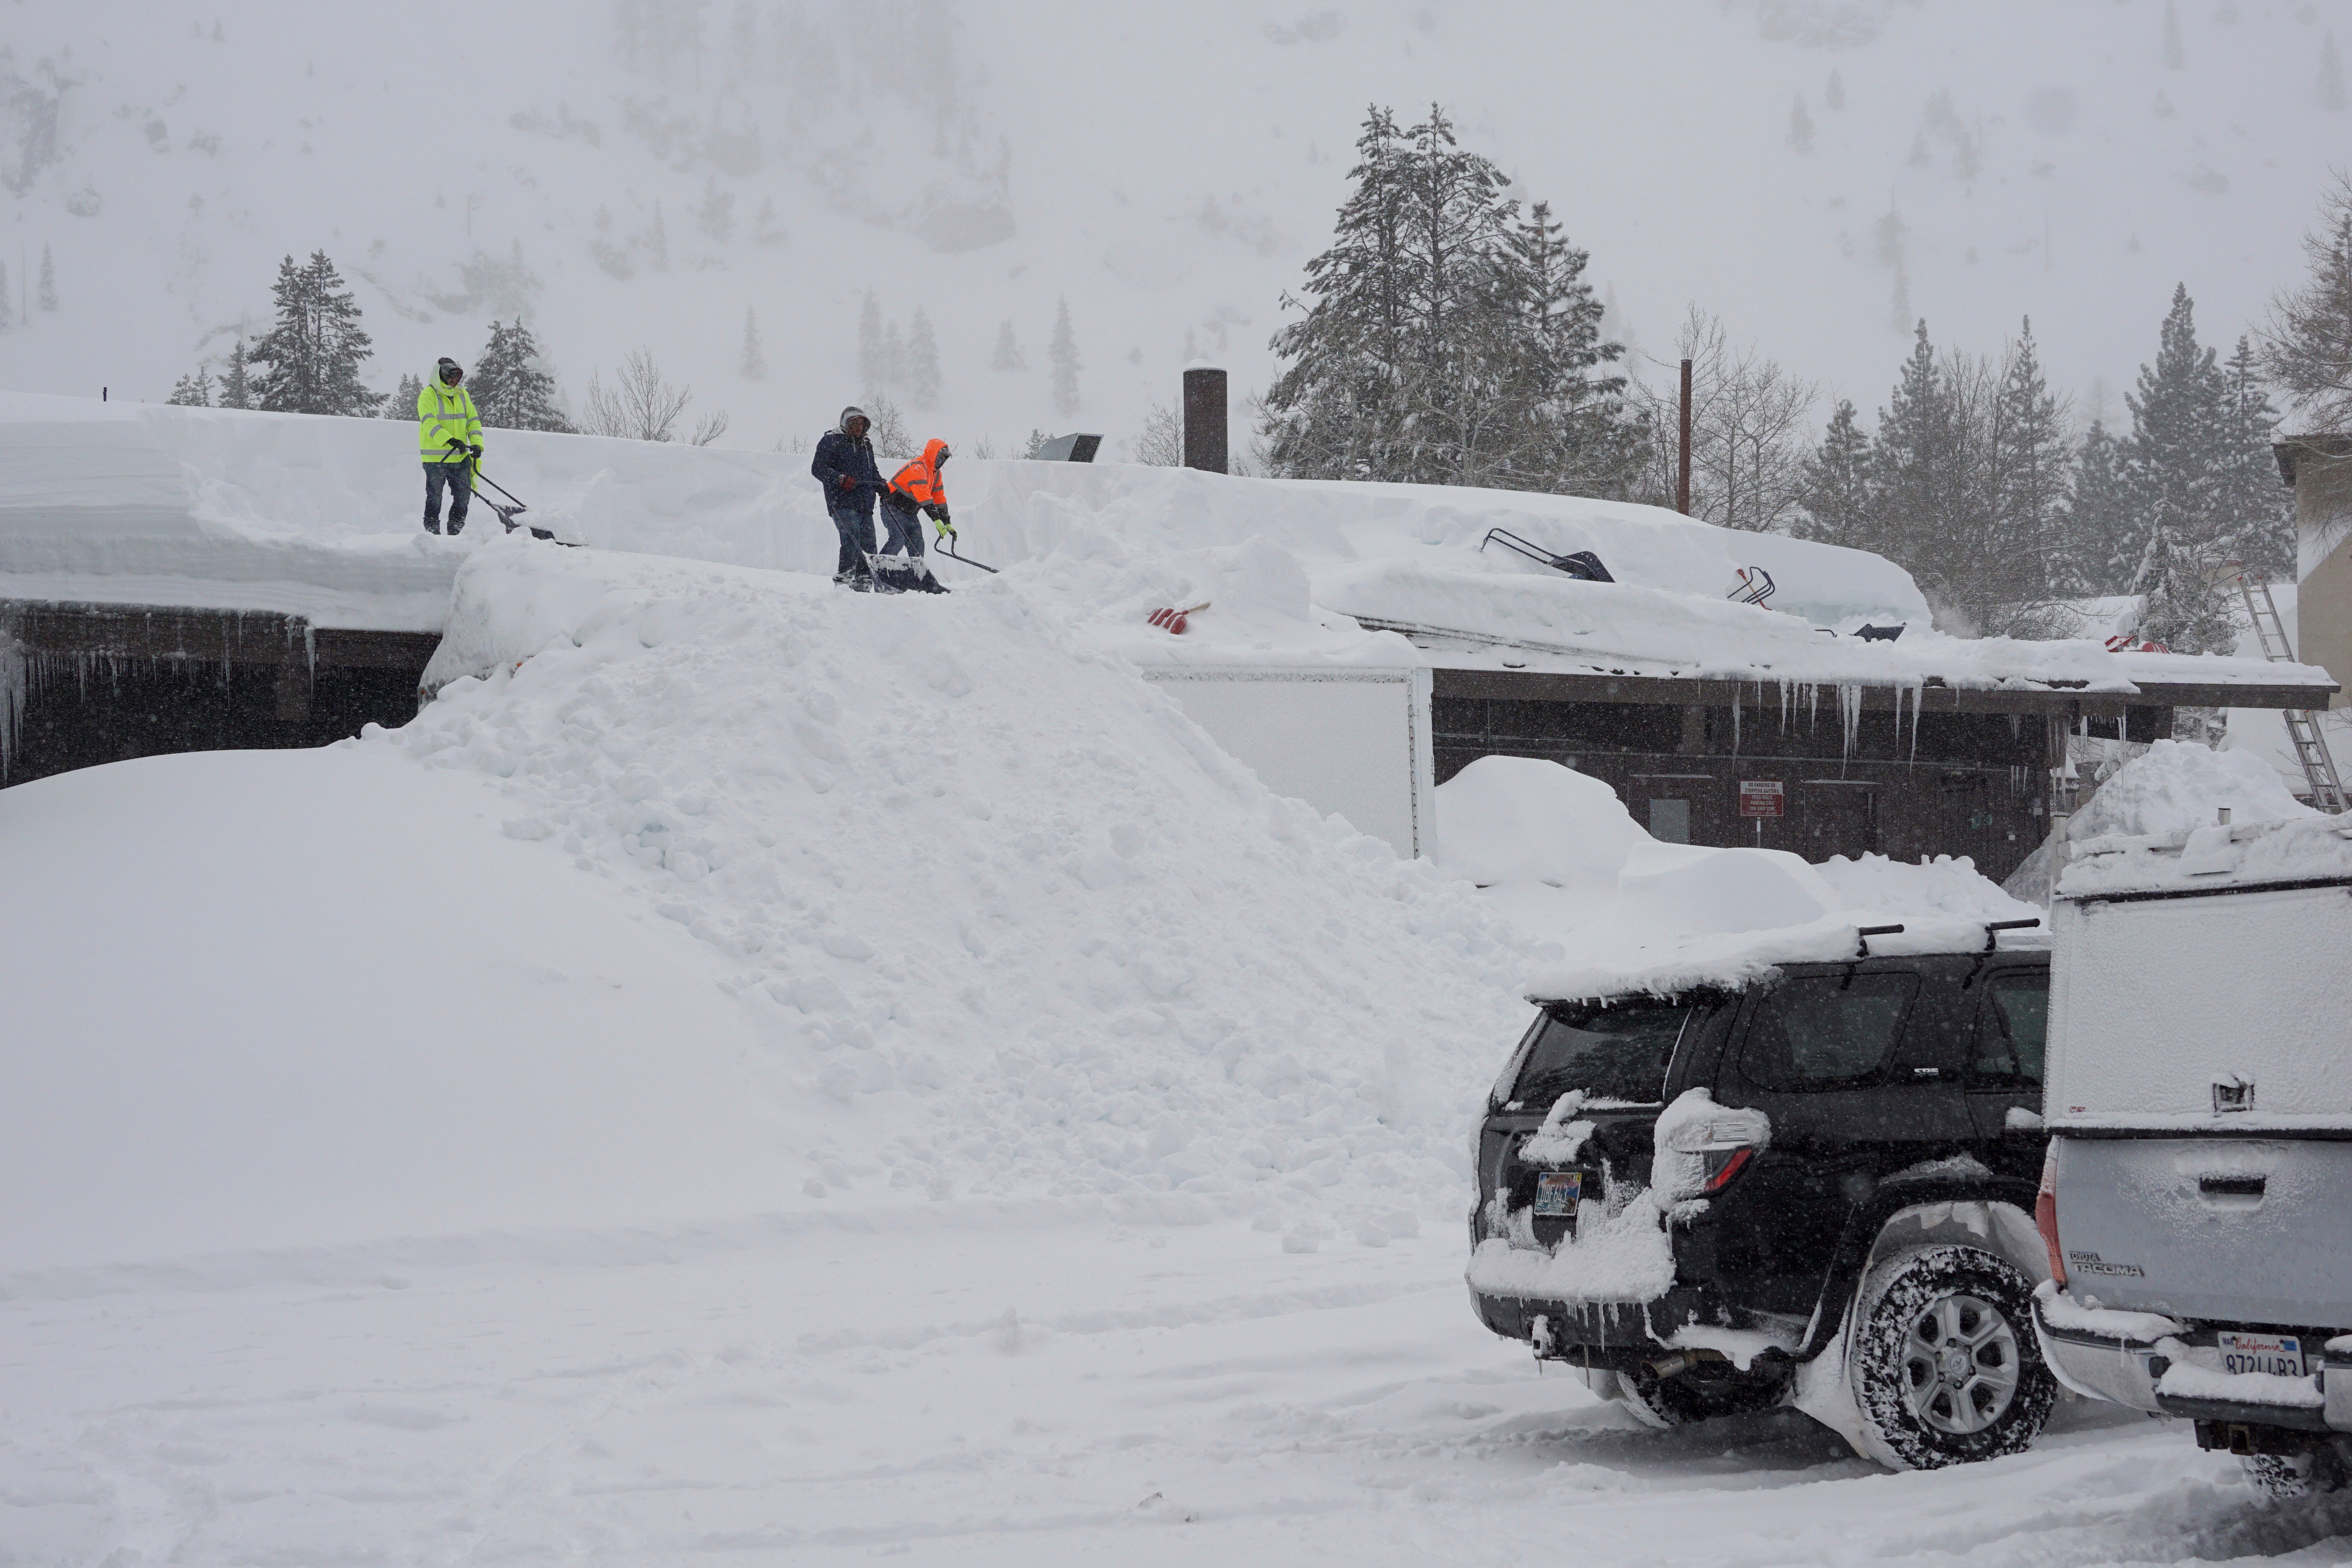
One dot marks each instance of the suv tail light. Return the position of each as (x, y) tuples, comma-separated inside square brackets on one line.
[(1723, 1164), (1702, 1149), (2045, 1214)]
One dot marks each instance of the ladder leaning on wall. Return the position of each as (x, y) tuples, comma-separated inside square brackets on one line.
[(2302, 725)]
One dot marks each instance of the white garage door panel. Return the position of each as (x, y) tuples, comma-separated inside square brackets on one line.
[(1355, 743)]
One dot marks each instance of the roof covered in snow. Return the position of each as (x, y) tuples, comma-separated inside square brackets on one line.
[(317, 517)]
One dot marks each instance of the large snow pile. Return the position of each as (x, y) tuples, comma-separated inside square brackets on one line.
[(979, 913), (2177, 787), (1556, 854)]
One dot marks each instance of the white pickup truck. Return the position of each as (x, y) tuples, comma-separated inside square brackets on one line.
[(2197, 1196)]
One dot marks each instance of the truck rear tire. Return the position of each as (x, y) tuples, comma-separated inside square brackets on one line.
[(2319, 1470), (1944, 1367)]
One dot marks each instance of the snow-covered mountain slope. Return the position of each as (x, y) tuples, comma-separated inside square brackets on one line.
[(642, 173)]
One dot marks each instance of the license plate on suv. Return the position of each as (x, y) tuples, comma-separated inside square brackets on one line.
[(2281, 1355), (1555, 1194)]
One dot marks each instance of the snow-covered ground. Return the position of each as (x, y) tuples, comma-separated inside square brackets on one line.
[(958, 1389), (760, 1073)]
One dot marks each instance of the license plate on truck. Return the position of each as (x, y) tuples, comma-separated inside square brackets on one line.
[(1555, 1194), (2281, 1355)]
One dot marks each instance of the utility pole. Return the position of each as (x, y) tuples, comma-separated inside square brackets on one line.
[(1682, 469)]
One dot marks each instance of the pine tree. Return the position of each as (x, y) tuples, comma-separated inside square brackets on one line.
[(1801, 126), (1834, 93), (49, 292), (2308, 340), (2257, 512), (2030, 457), (1836, 482), (193, 390), (402, 403), (1063, 354), (2174, 471), (2331, 73), (923, 363), (2172, 58), (718, 215), (2096, 523), (237, 391), (1008, 355), (1449, 340), (510, 386), (871, 370), (755, 364), (315, 349)]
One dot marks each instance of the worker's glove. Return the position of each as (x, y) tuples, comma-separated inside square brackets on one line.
[(946, 530), (848, 483), (477, 450)]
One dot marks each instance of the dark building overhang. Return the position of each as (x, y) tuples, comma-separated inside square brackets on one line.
[(1545, 685)]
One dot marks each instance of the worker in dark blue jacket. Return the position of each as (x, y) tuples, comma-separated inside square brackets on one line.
[(843, 465)]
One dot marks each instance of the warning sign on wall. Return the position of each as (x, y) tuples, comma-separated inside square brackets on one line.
[(1762, 797)]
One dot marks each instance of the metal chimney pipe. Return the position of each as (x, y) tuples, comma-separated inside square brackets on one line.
[(1204, 418), (1682, 470)]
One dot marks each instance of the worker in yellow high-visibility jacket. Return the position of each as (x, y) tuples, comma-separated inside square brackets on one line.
[(445, 413)]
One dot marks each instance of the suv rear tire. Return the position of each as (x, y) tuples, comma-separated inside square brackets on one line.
[(1944, 1367)]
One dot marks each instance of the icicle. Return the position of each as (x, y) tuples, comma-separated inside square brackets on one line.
[(1735, 718), (1918, 696), (1814, 714), (1787, 696), (1850, 714)]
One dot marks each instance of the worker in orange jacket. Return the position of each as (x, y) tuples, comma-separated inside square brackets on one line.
[(915, 485)]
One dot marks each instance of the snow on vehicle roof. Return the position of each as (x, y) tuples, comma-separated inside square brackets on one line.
[(1556, 852), (129, 503)]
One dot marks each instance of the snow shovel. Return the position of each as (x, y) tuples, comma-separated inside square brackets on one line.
[(1174, 619), (507, 514), (1750, 586), (947, 549)]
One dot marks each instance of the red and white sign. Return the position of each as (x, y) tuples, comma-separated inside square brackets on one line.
[(1763, 797)]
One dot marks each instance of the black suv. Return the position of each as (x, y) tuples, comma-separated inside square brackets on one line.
[(1815, 1190)]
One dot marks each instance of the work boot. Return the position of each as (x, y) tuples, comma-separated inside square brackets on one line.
[(432, 525)]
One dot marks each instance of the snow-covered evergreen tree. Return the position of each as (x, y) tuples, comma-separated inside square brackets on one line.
[(315, 349), (755, 363), (1836, 480), (2030, 457), (2174, 471), (48, 296), (2308, 340), (1062, 353), (511, 386), (1449, 340), (1008, 356), (402, 403), (2257, 511), (923, 363), (237, 391), (1801, 126), (717, 216), (194, 390), (2094, 528)]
